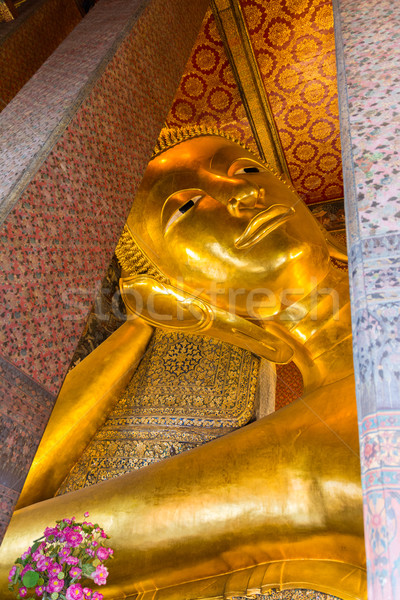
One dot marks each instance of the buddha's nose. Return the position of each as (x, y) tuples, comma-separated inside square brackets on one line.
[(244, 199)]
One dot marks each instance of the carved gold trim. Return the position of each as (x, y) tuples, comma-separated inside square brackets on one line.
[(235, 36)]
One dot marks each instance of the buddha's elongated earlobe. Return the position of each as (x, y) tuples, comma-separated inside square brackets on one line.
[(336, 249), (167, 307)]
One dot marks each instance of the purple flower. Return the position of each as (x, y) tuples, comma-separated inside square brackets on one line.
[(55, 585), (40, 589), (64, 553), (102, 553), (36, 555), (55, 569), (23, 592), (73, 538), (26, 554), (100, 575), (97, 596), (49, 531), (89, 551), (72, 560), (86, 514), (75, 572), (44, 563), (25, 569), (87, 592), (74, 592), (12, 573)]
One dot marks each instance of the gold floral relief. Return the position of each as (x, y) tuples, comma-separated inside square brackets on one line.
[(186, 391)]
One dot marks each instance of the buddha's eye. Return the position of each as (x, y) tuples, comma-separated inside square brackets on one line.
[(247, 170), (183, 209)]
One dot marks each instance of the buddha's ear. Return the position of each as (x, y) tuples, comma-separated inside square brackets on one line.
[(167, 307)]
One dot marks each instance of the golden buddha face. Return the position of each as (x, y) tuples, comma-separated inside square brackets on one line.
[(221, 226)]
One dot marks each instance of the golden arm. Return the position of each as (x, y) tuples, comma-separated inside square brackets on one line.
[(87, 395)]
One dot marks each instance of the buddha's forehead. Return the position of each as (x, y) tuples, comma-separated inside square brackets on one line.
[(190, 158)]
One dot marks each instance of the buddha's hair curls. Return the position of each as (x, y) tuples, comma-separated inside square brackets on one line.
[(131, 256)]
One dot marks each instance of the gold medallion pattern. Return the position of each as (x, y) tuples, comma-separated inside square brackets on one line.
[(207, 94), (293, 42)]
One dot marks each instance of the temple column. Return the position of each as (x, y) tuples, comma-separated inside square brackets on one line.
[(368, 56), (75, 143)]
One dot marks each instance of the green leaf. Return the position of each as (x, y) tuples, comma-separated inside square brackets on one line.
[(54, 596), (30, 579), (19, 561), (61, 575), (35, 546), (87, 570), (10, 587), (40, 581)]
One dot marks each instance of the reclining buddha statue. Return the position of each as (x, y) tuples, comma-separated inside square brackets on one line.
[(220, 245)]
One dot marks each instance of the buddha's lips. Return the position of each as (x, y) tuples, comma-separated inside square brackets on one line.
[(262, 224)]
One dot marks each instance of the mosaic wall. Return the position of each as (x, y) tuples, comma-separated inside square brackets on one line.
[(293, 41), (186, 391), (207, 94), (369, 87), (106, 315), (31, 40)]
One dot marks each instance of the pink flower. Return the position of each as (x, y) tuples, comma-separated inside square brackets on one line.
[(75, 572), (23, 592), (73, 538), (97, 596), (51, 531), (89, 551), (100, 575), (87, 592), (102, 553), (74, 592), (25, 569), (86, 514), (36, 555), (55, 585), (12, 573), (40, 589), (55, 569), (64, 553), (26, 554), (72, 560), (44, 563)]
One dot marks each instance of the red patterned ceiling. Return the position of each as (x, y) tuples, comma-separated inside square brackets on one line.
[(208, 94), (293, 43)]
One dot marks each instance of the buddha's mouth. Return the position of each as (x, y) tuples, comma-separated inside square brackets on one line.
[(262, 224)]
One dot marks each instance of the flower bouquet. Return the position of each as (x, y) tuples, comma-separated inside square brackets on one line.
[(55, 564)]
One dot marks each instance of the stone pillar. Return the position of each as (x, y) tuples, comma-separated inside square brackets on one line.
[(75, 143), (368, 55)]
